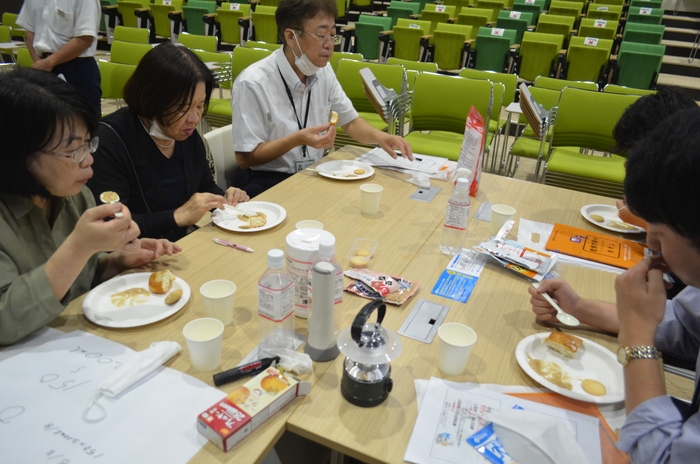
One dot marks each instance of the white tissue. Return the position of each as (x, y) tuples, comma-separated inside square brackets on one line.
[(420, 179), (531, 437), (136, 368), (291, 360)]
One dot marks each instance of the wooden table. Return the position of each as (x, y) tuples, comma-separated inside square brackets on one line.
[(409, 233)]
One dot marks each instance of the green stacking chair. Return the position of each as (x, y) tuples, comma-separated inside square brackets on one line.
[(113, 78), (538, 54), (209, 43), (460, 4), (342, 7), (103, 16), (609, 2), (228, 17), (263, 45), (404, 10), (359, 5), (493, 49), (622, 90), (477, 18), (580, 123), (444, 113), (127, 11), (6, 36), (530, 6), (643, 33), (599, 28), (127, 52), (131, 34), (413, 68), (544, 82), (24, 59), (451, 44), (587, 59), (646, 3), (437, 14), (422, 4), (556, 24), (337, 56), (494, 5), (194, 13), (265, 24), (636, 14), (514, 20), (348, 73), (160, 12), (607, 12), (638, 65), (367, 30), (10, 19), (565, 8), (270, 3), (243, 57), (407, 39)]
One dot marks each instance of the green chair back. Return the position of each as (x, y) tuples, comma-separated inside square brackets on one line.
[(563, 8), (199, 42), (10, 19), (161, 21), (448, 42), (643, 33), (127, 52), (407, 34), (413, 68), (24, 59), (538, 53), (514, 20), (367, 30), (587, 58), (476, 19), (263, 45), (244, 57), (131, 34), (607, 12), (638, 65), (530, 6), (399, 10), (494, 5), (391, 76), (556, 24), (599, 28), (493, 48), (5, 33), (550, 83), (509, 81), (127, 10), (228, 21), (622, 90), (609, 2), (646, 3), (266, 9), (113, 78), (265, 26), (337, 56), (438, 14), (224, 75), (194, 15)]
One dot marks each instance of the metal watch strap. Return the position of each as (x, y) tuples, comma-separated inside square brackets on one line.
[(643, 352)]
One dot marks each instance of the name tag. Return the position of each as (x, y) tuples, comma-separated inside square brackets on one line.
[(167, 2), (235, 6), (498, 32), (303, 164), (645, 11), (602, 8), (600, 23), (440, 8), (591, 41), (414, 26), (529, 2), (515, 14)]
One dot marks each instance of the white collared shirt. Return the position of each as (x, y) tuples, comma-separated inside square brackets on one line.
[(55, 22), (262, 111)]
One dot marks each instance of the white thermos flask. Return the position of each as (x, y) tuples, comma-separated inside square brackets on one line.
[(321, 344)]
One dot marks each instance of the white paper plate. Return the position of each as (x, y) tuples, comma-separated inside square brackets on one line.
[(98, 306), (608, 213), (591, 362), (343, 170), (229, 219)]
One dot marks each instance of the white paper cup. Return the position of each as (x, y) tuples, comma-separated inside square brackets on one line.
[(204, 343), (371, 195), (456, 341), (499, 215), (218, 299), (309, 224)]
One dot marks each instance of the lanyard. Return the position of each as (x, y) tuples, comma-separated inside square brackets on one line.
[(291, 100)]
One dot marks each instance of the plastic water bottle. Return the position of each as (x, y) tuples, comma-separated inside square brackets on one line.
[(276, 304), (455, 228), (326, 252)]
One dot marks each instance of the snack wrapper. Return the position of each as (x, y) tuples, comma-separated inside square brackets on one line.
[(372, 285)]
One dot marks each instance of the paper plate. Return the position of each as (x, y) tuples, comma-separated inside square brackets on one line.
[(344, 170), (98, 306), (592, 361), (610, 217), (229, 219)]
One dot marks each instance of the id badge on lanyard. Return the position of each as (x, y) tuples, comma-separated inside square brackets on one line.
[(300, 165)]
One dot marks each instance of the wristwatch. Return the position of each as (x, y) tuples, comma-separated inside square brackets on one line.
[(625, 353)]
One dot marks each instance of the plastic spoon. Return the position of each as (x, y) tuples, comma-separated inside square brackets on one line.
[(245, 211), (563, 317)]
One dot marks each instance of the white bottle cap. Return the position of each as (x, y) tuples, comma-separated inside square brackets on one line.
[(326, 247), (275, 259), (462, 183)]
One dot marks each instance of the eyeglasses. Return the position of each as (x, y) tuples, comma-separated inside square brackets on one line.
[(79, 154), (324, 38)]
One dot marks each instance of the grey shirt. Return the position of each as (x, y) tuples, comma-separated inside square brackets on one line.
[(27, 241)]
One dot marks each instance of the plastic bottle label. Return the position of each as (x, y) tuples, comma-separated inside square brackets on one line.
[(276, 305), (457, 215), (299, 270)]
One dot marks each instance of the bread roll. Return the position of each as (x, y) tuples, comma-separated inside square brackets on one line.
[(160, 281), (564, 343), (334, 118)]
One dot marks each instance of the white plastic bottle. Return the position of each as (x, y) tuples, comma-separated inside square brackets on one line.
[(326, 252), (276, 304), (455, 228)]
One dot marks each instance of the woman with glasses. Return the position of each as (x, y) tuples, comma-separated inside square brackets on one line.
[(51, 232), (282, 104), (150, 152)]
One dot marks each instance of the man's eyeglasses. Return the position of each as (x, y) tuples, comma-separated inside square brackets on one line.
[(324, 38), (79, 154)]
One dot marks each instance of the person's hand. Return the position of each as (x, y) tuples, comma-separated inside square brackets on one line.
[(196, 207), (626, 215), (234, 196), (389, 143), (142, 251), (93, 234), (561, 292), (318, 137), (44, 65), (641, 301)]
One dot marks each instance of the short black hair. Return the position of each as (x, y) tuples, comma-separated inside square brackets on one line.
[(164, 82), (661, 185), (292, 14), (36, 107), (642, 116)]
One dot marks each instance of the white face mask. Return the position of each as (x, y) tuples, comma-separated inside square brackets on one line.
[(303, 62), (156, 132)]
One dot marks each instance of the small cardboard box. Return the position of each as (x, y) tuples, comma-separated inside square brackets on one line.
[(233, 418)]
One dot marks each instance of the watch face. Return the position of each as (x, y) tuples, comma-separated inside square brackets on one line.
[(622, 356)]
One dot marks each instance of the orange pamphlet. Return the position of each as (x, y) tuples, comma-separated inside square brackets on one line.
[(594, 246)]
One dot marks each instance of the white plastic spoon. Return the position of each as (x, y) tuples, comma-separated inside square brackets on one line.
[(244, 211), (563, 317)]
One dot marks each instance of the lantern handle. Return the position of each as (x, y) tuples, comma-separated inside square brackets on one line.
[(364, 314)]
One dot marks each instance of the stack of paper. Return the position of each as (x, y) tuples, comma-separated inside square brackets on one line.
[(421, 163)]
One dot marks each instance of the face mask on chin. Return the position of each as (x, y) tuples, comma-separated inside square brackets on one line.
[(156, 132), (303, 63)]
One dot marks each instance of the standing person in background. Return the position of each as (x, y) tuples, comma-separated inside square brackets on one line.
[(62, 38)]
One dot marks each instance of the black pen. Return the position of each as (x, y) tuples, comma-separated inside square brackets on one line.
[(239, 372)]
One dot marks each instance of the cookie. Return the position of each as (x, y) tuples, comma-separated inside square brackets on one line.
[(593, 387), (359, 172), (173, 297), (597, 217)]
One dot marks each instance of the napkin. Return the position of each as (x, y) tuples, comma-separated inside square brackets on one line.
[(531, 437), (291, 360), (136, 368)]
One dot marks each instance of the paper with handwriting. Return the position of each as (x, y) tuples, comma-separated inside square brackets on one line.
[(47, 382)]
